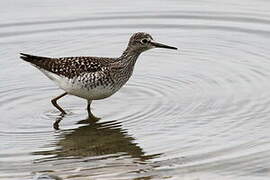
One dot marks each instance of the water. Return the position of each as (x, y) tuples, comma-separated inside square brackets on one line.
[(198, 113)]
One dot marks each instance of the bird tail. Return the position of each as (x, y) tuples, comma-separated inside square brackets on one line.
[(31, 58)]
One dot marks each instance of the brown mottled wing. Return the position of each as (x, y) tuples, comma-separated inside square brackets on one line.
[(68, 66)]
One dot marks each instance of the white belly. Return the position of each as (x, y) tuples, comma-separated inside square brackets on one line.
[(91, 94), (79, 88)]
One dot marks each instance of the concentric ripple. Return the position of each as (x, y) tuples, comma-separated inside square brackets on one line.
[(198, 113)]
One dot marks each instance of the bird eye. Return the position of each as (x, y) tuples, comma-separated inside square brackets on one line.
[(144, 41)]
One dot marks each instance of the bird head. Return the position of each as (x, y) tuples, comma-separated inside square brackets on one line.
[(142, 41)]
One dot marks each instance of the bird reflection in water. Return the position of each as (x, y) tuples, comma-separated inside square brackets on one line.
[(96, 139)]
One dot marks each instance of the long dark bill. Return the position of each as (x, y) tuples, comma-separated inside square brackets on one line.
[(159, 45)]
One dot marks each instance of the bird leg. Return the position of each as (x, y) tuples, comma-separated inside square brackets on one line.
[(88, 108), (90, 115), (56, 105), (57, 121)]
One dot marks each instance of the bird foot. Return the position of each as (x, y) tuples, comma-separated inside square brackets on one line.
[(93, 118), (58, 120)]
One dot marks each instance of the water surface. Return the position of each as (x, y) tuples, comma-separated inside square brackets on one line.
[(198, 113)]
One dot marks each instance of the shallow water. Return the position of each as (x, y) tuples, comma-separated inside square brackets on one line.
[(198, 113)]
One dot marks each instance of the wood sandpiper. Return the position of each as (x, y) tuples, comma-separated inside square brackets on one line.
[(93, 78)]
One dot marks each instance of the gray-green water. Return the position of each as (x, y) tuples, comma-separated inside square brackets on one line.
[(199, 113)]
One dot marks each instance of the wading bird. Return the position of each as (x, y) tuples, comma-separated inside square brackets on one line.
[(93, 78)]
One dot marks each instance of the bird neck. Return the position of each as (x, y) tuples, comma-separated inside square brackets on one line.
[(124, 65), (130, 56)]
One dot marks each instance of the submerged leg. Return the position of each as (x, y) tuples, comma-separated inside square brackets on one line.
[(57, 121), (55, 103)]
